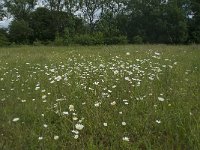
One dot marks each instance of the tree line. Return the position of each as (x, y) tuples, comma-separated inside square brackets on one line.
[(91, 22)]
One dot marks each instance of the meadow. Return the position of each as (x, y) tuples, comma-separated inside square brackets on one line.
[(100, 97)]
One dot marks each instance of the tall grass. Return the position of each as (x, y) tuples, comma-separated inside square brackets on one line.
[(102, 97)]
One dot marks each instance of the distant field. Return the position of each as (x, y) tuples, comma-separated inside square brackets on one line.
[(103, 97)]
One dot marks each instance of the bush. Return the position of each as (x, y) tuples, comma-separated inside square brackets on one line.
[(58, 41), (37, 43), (87, 39), (84, 40), (3, 38), (99, 39), (137, 40), (4, 41), (115, 40), (67, 38)]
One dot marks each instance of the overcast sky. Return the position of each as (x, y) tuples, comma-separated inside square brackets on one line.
[(5, 22)]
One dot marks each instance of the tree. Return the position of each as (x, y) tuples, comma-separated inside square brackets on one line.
[(72, 6), (90, 9), (20, 32), (43, 25), (20, 9), (194, 21), (107, 24), (158, 22), (2, 12), (176, 22), (3, 38), (54, 5)]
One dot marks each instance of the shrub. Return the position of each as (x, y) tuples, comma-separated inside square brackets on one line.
[(87, 39), (37, 43), (99, 39), (137, 40), (115, 40), (3, 38), (4, 41), (59, 41)]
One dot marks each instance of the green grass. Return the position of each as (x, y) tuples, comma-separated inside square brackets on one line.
[(100, 76)]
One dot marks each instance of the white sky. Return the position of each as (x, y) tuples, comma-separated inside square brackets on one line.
[(5, 23)]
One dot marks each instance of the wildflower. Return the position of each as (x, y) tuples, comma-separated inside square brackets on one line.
[(101, 66), (65, 113), (43, 91), (75, 131), (79, 126), (71, 107), (75, 118), (76, 137), (37, 88), (116, 72), (161, 99), (52, 81), (156, 53), (120, 112), (126, 103), (113, 103), (123, 123), (105, 124), (44, 96), (127, 79), (23, 101), (114, 86), (15, 119), (52, 70), (158, 121), (125, 139), (40, 138), (97, 104), (58, 78), (56, 137)]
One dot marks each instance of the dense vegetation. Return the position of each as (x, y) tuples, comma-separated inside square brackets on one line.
[(101, 22), (100, 97)]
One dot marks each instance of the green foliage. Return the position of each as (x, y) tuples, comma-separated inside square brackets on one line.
[(37, 43), (59, 41), (3, 38), (20, 32), (194, 28), (87, 39), (67, 38), (158, 23), (155, 21), (2, 12), (41, 21), (116, 40), (20, 9), (137, 40)]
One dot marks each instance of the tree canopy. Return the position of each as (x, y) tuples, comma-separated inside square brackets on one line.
[(103, 21)]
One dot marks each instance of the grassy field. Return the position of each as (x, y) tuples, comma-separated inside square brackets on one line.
[(98, 98)]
